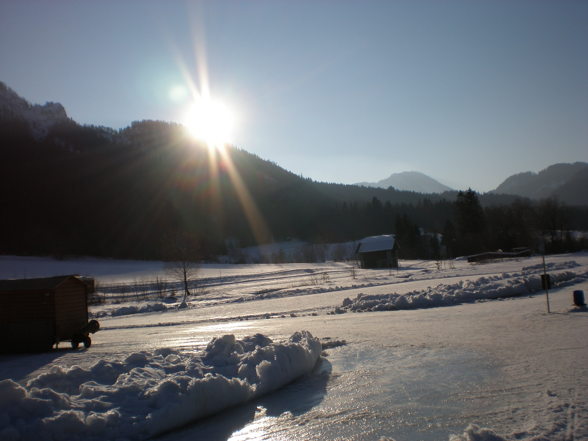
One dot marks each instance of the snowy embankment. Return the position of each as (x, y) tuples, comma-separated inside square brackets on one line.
[(150, 393), (485, 288), (133, 309)]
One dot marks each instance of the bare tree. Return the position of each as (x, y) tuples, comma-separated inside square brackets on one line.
[(182, 253)]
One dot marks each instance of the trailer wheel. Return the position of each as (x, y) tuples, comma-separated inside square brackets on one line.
[(75, 343), (87, 342)]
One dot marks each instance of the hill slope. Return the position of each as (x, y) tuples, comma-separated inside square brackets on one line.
[(74, 189), (567, 182), (85, 190), (409, 181)]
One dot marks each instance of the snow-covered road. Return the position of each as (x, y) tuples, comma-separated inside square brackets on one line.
[(405, 374), (427, 374)]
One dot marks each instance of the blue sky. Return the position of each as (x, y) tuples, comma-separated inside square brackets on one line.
[(468, 92)]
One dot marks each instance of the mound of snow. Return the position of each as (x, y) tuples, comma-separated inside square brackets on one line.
[(485, 288), (132, 309), (150, 393)]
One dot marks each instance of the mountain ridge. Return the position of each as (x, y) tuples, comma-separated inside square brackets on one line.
[(564, 181), (410, 181), (40, 118), (89, 190)]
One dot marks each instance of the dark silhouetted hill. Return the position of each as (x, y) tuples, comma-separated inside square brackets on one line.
[(68, 189), (409, 181), (566, 182)]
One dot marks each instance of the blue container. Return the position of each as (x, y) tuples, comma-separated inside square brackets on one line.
[(579, 298)]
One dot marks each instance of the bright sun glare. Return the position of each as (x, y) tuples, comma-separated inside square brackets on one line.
[(210, 121)]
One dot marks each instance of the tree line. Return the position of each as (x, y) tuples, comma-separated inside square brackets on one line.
[(90, 191)]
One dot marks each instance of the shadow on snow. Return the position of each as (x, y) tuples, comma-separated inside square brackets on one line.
[(296, 398)]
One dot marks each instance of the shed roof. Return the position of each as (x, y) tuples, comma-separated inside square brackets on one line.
[(34, 284), (376, 243)]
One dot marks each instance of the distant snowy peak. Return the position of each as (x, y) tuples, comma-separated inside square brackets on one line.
[(410, 181), (40, 118)]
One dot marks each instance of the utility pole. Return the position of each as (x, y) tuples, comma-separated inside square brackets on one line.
[(546, 283)]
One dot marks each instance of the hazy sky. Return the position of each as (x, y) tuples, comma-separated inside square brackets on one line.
[(468, 92)]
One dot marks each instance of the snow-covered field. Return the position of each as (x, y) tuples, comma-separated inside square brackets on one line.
[(438, 351)]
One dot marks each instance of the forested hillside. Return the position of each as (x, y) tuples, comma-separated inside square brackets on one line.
[(566, 182), (68, 189)]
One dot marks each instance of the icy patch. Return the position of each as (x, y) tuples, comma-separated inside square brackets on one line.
[(150, 393), (471, 433), (485, 288)]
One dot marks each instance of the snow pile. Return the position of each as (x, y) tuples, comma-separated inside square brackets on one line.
[(150, 393), (131, 309), (484, 288)]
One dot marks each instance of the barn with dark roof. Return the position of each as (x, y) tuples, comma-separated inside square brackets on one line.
[(378, 252)]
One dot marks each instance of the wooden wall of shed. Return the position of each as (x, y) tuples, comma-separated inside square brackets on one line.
[(27, 320), (71, 308), (379, 259)]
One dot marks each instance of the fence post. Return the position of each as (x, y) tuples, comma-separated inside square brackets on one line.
[(546, 282)]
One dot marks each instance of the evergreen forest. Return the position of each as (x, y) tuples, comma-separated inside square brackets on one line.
[(85, 190)]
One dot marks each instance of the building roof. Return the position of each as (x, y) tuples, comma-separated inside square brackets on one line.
[(376, 243), (33, 284)]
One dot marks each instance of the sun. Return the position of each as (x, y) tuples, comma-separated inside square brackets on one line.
[(210, 121)]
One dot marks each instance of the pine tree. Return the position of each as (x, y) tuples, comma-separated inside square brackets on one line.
[(471, 223)]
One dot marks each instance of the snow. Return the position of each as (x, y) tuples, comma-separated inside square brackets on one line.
[(475, 433), (132, 309), (376, 243), (39, 117), (485, 288), (472, 433), (105, 270), (149, 393), (491, 364)]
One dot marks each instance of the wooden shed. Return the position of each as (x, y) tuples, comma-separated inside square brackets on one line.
[(37, 313), (378, 252)]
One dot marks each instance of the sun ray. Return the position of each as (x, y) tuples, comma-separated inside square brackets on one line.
[(258, 226), (211, 121)]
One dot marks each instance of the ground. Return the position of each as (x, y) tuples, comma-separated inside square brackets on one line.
[(408, 374)]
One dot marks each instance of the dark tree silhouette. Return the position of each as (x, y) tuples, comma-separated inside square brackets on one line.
[(183, 254), (86, 190), (471, 222)]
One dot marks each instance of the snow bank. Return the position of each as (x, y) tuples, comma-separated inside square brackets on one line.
[(484, 288), (131, 309), (150, 393)]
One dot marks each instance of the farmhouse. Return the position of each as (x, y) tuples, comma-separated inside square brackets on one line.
[(378, 252), (37, 313)]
